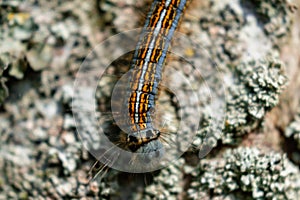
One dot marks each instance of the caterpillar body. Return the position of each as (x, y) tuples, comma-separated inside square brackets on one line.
[(145, 76)]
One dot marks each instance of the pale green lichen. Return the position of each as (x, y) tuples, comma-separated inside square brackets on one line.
[(254, 86), (221, 27), (108, 187), (15, 29), (247, 173), (3, 88), (166, 185), (275, 15), (293, 130), (207, 136), (256, 91)]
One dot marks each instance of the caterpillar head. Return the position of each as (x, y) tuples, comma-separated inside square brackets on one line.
[(147, 144)]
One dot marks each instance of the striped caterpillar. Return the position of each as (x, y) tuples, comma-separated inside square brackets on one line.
[(145, 76)]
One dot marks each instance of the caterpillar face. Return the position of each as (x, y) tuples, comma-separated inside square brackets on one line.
[(141, 138)]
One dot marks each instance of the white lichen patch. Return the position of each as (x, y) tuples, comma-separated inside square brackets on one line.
[(246, 172)]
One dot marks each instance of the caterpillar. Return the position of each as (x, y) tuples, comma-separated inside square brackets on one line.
[(137, 92), (145, 76)]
